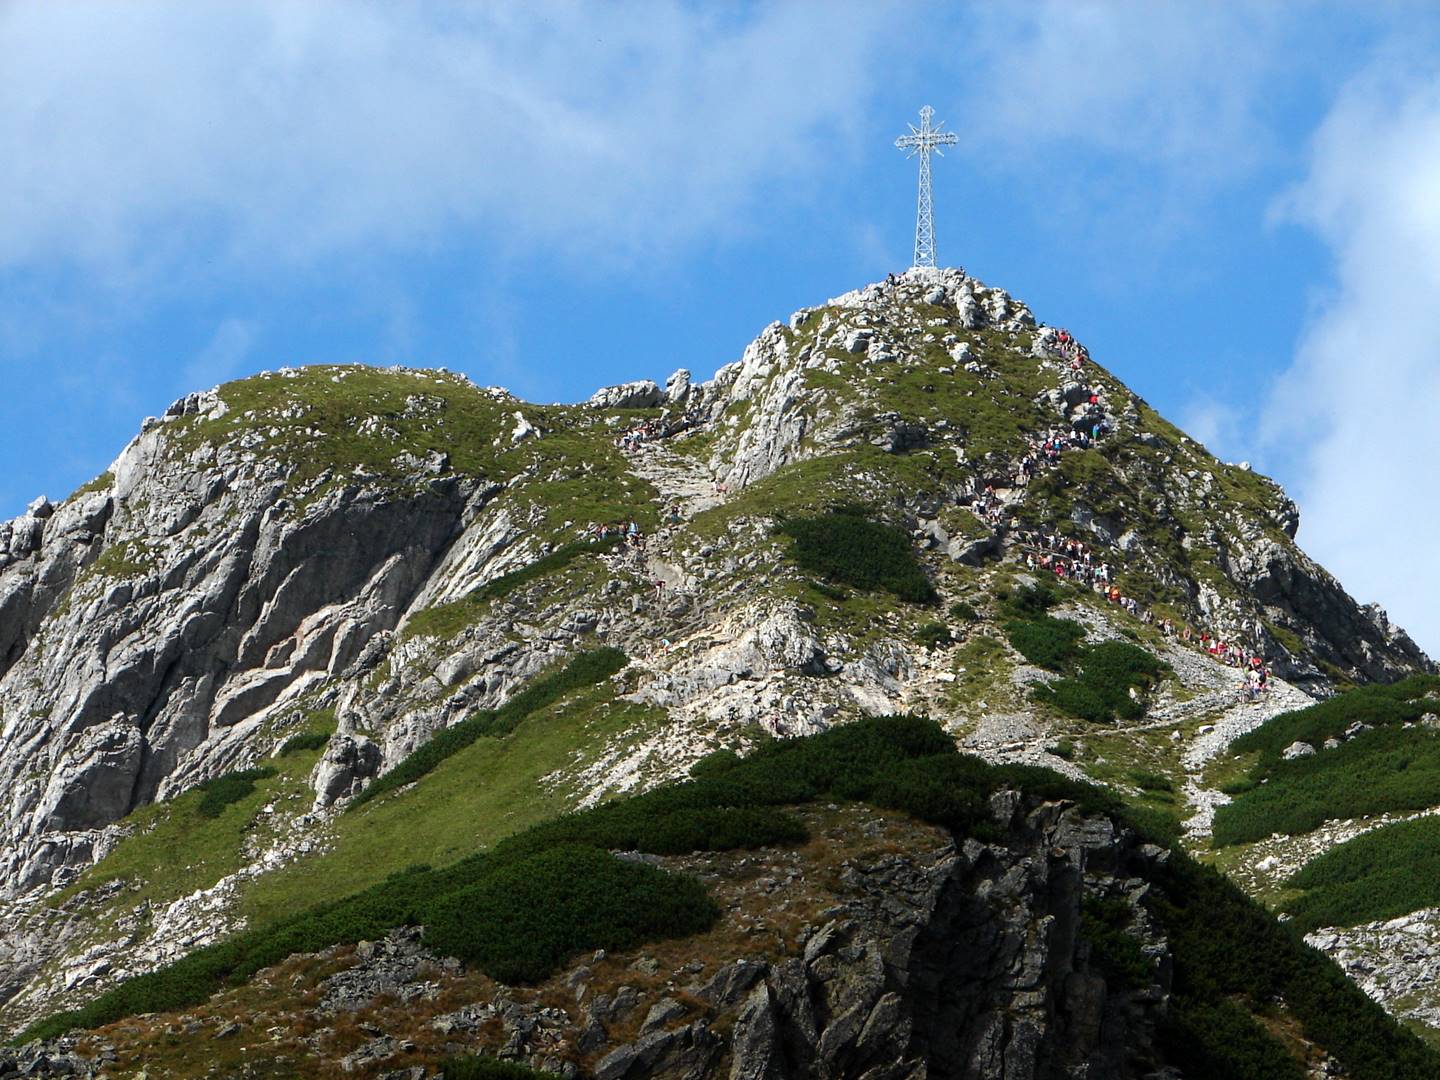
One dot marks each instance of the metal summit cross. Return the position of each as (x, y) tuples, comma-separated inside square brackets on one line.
[(922, 141)]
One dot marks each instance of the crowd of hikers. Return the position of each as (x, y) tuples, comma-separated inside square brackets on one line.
[(1068, 558), (1064, 345), (1043, 552), (653, 430)]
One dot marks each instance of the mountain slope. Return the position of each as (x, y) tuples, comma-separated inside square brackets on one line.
[(371, 557)]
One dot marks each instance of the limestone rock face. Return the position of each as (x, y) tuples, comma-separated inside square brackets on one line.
[(196, 598)]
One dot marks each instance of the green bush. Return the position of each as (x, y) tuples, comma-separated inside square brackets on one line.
[(1382, 874), (1220, 1040), (843, 545), (1146, 780), (310, 740), (1028, 601), (1377, 706), (1101, 691), (1226, 947), (1046, 641), (586, 669), (1118, 954), (474, 1067), (963, 611), (220, 792), (933, 635), (1386, 769), (1100, 676), (524, 919)]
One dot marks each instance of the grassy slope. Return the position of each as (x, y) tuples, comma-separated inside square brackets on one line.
[(482, 794)]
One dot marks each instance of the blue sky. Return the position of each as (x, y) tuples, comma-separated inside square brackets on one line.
[(1236, 206)]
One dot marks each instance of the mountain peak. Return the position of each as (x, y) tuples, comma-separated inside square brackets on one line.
[(315, 578)]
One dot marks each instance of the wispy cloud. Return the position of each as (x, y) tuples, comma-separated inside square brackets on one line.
[(291, 129), (223, 356), (1357, 410)]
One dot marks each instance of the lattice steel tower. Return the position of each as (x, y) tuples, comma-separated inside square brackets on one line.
[(922, 141)]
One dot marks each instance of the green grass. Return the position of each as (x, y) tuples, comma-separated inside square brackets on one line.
[(964, 611), (845, 545), (193, 840), (1382, 874), (420, 413), (1100, 692), (124, 559), (470, 801), (586, 669), (104, 482)]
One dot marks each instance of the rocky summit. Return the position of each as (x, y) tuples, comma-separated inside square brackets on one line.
[(336, 665)]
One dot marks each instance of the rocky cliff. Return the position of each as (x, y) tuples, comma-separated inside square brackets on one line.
[(363, 558)]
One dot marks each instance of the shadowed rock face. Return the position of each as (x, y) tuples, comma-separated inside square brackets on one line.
[(150, 673)]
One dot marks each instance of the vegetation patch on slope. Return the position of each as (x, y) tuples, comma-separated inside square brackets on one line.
[(1227, 948), (1388, 762), (1383, 874), (587, 669), (194, 839), (1376, 706), (217, 794), (901, 763), (1099, 679), (447, 620), (846, 545)]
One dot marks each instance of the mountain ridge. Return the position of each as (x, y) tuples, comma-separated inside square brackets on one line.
[(316, 551)]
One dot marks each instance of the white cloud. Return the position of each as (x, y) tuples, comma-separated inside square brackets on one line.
[(290, 129), (1125, 119), (1359, 409)]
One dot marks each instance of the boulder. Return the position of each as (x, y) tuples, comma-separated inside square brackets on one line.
[(677, 387), (641, 394), (1297, 749), (348, 761)]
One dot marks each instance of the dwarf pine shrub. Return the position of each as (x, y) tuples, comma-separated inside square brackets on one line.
[(844, 545), (220, 792)]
